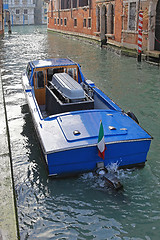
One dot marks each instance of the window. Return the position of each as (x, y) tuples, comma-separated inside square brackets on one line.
[(17, 11), (54, 21), (112, 19), (83, 3), (89, 22), (74, 3), (84, 22), (40, 79), (61, 21), (72, 72), (132, 16), (65, 4), (51, 9), (65, 21), (75, 22), (25, 11), (16, 2), (58, 21)]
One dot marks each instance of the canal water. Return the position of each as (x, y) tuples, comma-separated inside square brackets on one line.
[(82, 207)]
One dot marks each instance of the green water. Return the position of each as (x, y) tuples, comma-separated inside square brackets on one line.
[(82, 208)]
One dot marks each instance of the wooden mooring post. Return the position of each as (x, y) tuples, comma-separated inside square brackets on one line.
[(140, 25)]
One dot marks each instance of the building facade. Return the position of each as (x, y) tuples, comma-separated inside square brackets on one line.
[(21, 12), (111, 21), (76, 16), (1, 18), (44, 12), (151, 24), (41, 7)]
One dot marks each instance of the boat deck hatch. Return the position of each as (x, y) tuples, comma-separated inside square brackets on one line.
[(86, 125)]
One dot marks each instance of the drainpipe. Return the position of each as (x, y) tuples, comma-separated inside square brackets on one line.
[(77, 3)]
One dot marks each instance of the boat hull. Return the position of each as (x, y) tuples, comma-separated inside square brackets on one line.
[(68, 128), (85, 159)]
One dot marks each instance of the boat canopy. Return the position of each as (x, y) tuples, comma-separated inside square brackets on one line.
[(52, 62), (49, 63)]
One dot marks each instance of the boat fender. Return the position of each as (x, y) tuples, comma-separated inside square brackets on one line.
[(131, 115)]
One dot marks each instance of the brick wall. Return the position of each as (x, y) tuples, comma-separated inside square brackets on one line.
[(130, 37), (125, 25), (79, 20)]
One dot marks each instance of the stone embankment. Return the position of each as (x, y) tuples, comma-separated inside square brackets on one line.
[(8, 214)]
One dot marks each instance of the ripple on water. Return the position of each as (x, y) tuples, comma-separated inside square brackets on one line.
[(82, 207)]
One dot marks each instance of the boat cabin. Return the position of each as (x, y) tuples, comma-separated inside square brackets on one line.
[(58, 87)]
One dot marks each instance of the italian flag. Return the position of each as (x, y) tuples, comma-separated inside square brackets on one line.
[(101, 143)]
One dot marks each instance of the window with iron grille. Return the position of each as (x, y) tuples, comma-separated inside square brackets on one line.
[(17, 11), (75, 22), (65, 21), (25, 11), (89, 22)]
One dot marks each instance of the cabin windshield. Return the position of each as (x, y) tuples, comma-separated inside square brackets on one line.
[(40, 79), (43, 76), (71, 71)]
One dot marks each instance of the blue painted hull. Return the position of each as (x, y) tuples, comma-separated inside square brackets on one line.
[(80, 160), (57, 121)]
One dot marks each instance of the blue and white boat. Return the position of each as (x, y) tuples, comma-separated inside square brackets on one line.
[(67, 109)]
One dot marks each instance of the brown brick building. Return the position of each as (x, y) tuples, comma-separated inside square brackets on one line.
[(1, 18), (111, 21)]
